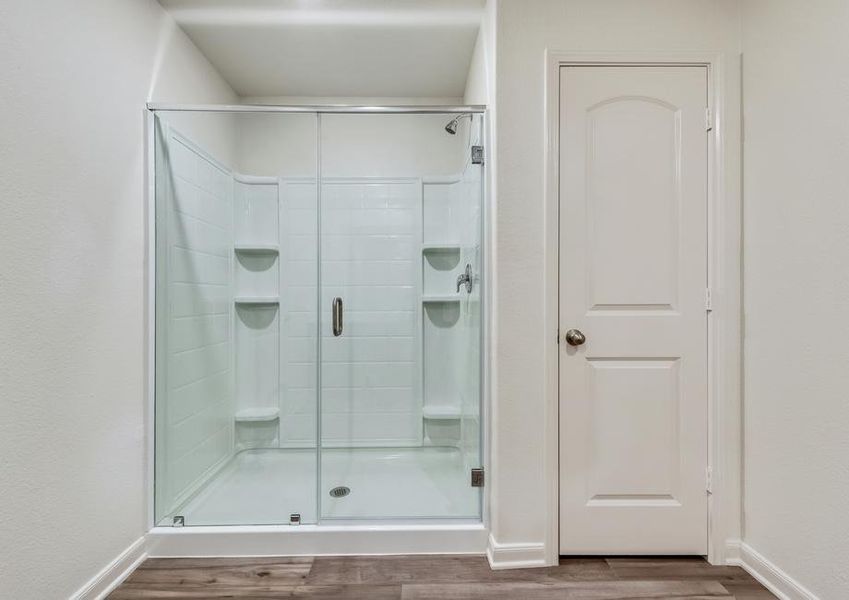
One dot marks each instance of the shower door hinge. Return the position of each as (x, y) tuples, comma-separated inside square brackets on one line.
[(708, 300), (477, 477), (295, 519), (477, 155), (708, 119), (178, 521), (709, 480)]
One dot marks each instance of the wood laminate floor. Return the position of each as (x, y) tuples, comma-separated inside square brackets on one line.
[(437, 577)]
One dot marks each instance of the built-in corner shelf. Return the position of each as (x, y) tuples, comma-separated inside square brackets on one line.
[(440, 299), (434, 248), (257, 300), (440, 412), (257, 415), (257, 248)]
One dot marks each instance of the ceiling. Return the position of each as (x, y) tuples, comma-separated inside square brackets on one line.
[(344, 48)]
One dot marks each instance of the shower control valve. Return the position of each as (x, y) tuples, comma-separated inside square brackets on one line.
[(465, 278)]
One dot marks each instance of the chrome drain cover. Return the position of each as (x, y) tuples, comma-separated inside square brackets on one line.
[(340, 491)]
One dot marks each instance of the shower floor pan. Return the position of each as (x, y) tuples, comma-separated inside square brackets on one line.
[(267, 486)]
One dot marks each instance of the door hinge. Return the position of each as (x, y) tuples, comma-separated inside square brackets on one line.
[(477, 155), (708, 300), (477, 477), (708, 119), (709, 480)]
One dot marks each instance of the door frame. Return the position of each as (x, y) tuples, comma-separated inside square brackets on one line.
[(724, 353)]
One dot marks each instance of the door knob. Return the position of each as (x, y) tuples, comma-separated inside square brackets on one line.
[(574, 337)]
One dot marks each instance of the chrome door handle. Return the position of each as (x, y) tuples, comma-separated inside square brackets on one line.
[(574, 337), (337, 316)]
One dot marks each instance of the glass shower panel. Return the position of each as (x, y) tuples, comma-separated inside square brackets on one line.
[(399, 304), (236, 321)]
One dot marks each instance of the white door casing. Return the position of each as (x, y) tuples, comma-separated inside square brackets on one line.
[(633, 276)]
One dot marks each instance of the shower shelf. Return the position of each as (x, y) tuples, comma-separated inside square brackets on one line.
[(257, 300), (432, 248), (441, 412), (257, 248), (255, 415), (432, 299)]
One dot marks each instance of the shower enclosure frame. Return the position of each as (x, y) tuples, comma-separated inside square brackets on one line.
[(365, 537)]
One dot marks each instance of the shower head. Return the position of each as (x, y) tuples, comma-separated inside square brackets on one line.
[(451, 127)]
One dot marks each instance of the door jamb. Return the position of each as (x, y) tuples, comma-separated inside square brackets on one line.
[(724, 279)]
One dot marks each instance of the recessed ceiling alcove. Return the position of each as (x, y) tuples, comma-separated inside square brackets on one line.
[(340, 48)]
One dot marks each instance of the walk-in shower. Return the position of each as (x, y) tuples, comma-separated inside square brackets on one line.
[(318, 327)]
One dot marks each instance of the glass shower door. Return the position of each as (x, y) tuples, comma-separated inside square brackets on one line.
[(399, 304), (236, 322)]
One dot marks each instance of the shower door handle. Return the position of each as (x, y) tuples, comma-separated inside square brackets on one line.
[(337, 316)]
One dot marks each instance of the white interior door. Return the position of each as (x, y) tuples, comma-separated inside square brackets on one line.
[(633, 272)]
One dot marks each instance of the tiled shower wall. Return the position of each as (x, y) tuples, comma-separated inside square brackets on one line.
[(298, 302), (194, 237), (370, 258)]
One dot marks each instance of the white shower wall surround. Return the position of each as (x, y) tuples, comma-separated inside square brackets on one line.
[(238, 300), (370, 239), (195, 335)]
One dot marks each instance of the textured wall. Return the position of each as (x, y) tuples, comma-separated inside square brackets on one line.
[(72, 436), (796, 98)]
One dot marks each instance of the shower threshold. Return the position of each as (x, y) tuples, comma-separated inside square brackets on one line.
[(401, 501), (267, 486)]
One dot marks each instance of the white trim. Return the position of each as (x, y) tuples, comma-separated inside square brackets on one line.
[(515, 556), (316, 540), (150, 318), (732, 552), (111, 576), (770, 575), (724, 269), (486, 310)]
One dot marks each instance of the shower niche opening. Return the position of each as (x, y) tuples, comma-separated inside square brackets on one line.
[(318, 317)]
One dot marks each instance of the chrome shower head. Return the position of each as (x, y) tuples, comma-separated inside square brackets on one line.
[(451, 127)]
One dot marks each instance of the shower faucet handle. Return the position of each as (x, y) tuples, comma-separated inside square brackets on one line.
[(465, 278)]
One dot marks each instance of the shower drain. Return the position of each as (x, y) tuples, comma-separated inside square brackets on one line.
[(340, 491)]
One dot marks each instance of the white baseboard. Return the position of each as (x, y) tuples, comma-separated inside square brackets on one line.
[(732, 552), (515, 556), (768, 573), (114, 573)]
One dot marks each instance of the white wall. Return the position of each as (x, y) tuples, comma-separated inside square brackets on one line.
[(476, 81), (796, 233), (351, 145), (74, 77), (519, 505)]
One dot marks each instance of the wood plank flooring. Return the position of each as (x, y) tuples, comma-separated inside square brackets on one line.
[(436, 577)]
